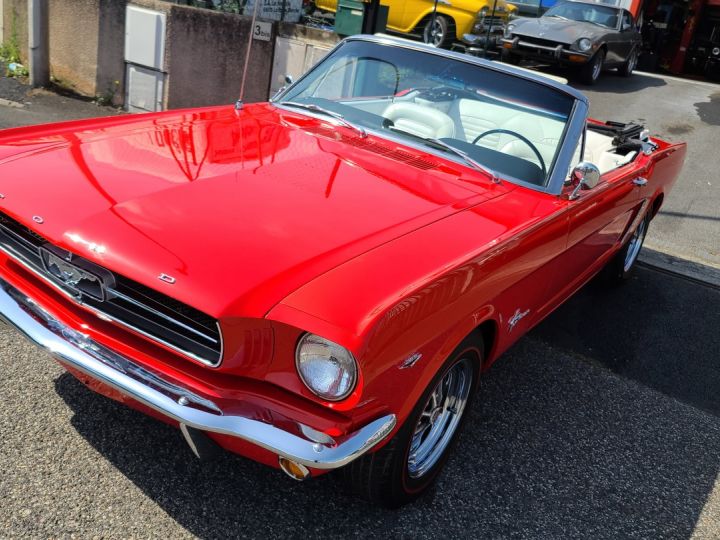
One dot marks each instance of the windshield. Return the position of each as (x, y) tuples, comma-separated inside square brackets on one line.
[(600, 15), (507, 125)]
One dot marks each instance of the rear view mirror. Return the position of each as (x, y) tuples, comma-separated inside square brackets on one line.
[(585, 175)]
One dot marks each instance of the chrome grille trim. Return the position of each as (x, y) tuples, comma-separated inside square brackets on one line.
[(19, 243)]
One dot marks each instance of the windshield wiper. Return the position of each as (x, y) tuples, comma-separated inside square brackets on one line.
[(442, 145), (559, 17), (322, 110)]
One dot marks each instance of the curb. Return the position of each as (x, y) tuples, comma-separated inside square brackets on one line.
[(8, 103), (669, 264)]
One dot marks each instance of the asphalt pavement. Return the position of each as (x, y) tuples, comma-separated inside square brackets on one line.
[(601, 423), (677, 110)]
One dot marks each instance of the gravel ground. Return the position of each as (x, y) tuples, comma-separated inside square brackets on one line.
[(585, 438)]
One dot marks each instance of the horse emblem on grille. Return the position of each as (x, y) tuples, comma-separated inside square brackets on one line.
[(74, 278)]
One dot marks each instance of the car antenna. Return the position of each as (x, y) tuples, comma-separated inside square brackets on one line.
[(239, 102)]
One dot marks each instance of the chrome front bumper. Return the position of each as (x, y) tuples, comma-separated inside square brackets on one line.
[(81, 352)]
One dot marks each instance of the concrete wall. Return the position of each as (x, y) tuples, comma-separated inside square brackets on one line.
[(15, 22), (204, 49), (205, 57), (87, 40)]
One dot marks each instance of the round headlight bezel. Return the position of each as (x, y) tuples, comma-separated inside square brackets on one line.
[(584, 44), (716, 51), (508, 30), (350, 367)]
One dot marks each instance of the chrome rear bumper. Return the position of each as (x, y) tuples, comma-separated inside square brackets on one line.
[(81, 352)]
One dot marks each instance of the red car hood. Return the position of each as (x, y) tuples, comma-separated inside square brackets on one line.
[(241, 209)]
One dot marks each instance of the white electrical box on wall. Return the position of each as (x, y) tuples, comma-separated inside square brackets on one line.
[(145, 37), (144, 89)]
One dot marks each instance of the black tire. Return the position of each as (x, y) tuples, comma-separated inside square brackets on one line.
[(509, 58), (622, 265), (383, 477), (590, 72), (442, 37), (628, 67)]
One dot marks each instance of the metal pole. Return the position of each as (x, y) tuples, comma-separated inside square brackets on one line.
[(487, 35), (238, 104), (38, 42)]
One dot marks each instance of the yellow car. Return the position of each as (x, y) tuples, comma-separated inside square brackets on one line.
[(454, 18)]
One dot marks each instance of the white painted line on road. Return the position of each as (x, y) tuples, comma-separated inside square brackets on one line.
[(678, 79), (8, 103)]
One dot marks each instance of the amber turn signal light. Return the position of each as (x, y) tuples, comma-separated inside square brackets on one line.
[(294, 470)]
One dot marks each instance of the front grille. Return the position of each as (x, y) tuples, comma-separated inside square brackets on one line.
[(539, 41), (131, 304)]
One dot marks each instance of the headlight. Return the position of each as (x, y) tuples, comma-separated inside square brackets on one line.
[(716, 51), (326, 368), (584, 44), (483, 12), (508, 30)]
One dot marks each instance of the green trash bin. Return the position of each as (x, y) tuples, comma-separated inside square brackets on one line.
[(349, 17)]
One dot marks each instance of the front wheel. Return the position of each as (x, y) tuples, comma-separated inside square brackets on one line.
[(437, 33), (509, 58), (409, 464), (590, 72)]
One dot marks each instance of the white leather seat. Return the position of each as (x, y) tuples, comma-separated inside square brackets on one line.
[(420, 120), (599, 150), (473, 117)]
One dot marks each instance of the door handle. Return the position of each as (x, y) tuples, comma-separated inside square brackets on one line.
[(640, 181)]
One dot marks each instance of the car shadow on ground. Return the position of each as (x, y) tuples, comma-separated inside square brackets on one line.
[(609, 82), (559, 446)]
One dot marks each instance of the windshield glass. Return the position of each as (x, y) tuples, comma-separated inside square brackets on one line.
[(600, 15), (500, 122)]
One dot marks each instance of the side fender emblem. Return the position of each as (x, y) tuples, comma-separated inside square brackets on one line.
[(410, 361), (516, 318)]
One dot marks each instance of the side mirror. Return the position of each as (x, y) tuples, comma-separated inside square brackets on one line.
[(585, 175), (289, 79)]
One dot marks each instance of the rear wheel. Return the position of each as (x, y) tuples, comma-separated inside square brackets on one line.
[(621, 267), (590, 72), (409, 464), (629, 66), (437, 33)]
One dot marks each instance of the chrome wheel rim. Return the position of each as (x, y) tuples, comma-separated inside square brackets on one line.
[(434, 34), (440, 418), (634, 245), (633, 62), (597, 68)]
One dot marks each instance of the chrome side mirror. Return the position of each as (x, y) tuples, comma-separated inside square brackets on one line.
[(585, 175)]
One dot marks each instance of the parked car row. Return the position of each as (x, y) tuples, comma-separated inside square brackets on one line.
[(583, 35)]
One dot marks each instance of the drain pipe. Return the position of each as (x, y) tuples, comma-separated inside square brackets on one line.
[(38, 22)]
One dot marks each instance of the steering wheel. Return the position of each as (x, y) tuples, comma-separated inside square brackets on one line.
[(518, 136)]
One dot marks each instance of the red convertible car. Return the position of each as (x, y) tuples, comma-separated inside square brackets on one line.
[(318, 282)]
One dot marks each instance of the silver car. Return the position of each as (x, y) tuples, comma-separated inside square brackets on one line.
[(588, 36)]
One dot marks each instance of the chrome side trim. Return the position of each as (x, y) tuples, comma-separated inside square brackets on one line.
[(106, 317), (81, 352)]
